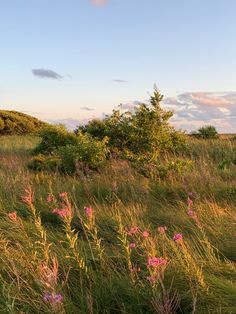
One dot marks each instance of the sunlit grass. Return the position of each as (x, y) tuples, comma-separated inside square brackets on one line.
[(90, 260)]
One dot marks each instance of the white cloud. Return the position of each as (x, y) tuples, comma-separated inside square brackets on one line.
[(192, 110)]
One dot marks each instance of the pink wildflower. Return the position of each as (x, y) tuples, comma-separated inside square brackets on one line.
[(132, 245), (178, 237), (12, 216), (63, 194), (89, 212), (191, 213), (155, 262), (190, 202), (55, 210), (162, 229), (145, 234), (63, 213), (28, 198), (50, 198), (133, 230)]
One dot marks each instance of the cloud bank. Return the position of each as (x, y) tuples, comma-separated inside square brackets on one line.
[(46, 73), (193, 110)]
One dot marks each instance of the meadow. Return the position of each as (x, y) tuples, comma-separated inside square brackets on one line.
[(116, 240)]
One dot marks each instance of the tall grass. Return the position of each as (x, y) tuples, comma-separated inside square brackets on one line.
[(117, 241)]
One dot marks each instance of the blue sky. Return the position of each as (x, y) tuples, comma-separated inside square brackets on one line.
[(80, 58)]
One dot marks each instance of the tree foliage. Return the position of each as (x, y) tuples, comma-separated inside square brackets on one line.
[(68, 152), (206, 132), (146, 131)]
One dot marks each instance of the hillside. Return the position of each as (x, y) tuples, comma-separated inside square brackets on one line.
[(18, 123)]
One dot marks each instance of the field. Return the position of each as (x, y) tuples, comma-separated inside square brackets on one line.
[(117, 241)]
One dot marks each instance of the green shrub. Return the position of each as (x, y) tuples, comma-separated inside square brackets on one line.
[(146, 131), (87, 154), (44, 163), (68, 152), (54, 137), (206, 132)]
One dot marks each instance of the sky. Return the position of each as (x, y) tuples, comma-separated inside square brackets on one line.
[(78, 59)]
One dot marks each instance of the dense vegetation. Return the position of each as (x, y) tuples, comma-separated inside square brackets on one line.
[(66, 152), (124, 216), (144, 133), (13, 122), (117, 241), (140, 136)]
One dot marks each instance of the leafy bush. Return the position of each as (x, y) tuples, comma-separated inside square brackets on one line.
[(46, 163), (54, 137), (146, 131), (87, 154), (17, 123), (68, 152), (206, 132)]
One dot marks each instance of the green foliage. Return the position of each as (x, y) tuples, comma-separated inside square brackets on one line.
[(88, 153), (206, 132), (16, 123), (40, 250), (54, 137), (44, 163), (68, 152), (145, 131)]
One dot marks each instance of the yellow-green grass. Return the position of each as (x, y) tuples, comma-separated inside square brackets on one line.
[(87, 260)]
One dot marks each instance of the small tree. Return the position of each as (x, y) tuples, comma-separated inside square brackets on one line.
[(207, 132), (145, 132)]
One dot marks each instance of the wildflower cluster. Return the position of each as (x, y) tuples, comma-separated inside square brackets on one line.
[(48, 275), (15, 219), (178, 238), (65, 211), (190, 211)]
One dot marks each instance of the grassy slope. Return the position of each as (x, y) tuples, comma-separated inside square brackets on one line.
[(94, 276)]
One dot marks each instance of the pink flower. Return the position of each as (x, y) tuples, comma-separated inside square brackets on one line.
[(50, 198), (63, 194), (155, 261), (55, 210), (191, 213), (145, 234), (133, 230), (12, 216), (28, 198), (190, 202), (63, 213), (89, 212), (162, 229), (178, 237), (132, 245)]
